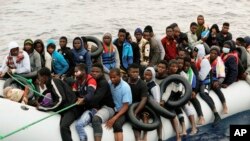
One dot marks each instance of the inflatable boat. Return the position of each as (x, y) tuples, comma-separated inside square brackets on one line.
[(13, 115)]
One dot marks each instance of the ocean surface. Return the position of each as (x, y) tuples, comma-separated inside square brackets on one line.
[(44, 19)]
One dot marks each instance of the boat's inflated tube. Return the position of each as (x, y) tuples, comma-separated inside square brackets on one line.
[(139, 124), (177, 79), (11, 81), (99, 50), (159, 109)]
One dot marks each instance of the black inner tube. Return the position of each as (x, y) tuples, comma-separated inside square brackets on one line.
[(99, 50), (177, 79), (159, 109), (139, 124)]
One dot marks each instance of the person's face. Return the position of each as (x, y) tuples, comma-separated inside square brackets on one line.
[(115, 78), (121, 36), (79, 74), (106, 40), (225, 29), (195, 54), (96, 72), (213, 54), (42, 79), (39, 48), (186, 66), (138, 36), (161, 69), (50, 50), (193, 29), (169, 32), (14, 51), (173, 68), (27, 46), (77, 44), (148, 75), (177, 32), (62, 43), (181, 53), (180, 64), (146, 35), (129, 38), (200, 20), (133, 73)]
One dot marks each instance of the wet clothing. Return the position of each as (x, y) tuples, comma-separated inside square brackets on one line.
[(155, 52)]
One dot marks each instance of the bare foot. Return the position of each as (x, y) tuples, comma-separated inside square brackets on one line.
[(178, 138), (193, 132), (183, 134), (201, 120), (225, 109)]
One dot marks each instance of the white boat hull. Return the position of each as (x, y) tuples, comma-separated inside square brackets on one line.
[(13, 117)]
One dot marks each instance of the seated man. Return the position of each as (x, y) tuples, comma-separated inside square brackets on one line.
[(17, 61), (122, 97), (62, 96)]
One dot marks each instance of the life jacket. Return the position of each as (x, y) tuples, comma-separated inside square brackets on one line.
[(224, 56)]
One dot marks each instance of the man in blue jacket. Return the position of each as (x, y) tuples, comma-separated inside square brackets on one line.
[(125, 50), (59, 64)]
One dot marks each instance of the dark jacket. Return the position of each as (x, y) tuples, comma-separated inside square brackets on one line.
[(68, 56), (61, 93), (221, 39), (102, 95)]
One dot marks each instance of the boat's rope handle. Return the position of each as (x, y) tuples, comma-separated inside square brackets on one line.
[(25, 85), (35, 122)]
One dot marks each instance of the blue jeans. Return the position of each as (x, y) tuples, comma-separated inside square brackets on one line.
[(83, 121)]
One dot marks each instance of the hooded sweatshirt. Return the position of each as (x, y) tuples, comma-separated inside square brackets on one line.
[(59, 64), (153, 87), (35, 58), (110, 56), (46, 59), (22, 66), (81, 55)]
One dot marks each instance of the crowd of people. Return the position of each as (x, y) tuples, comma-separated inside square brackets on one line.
[(128, 71)]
